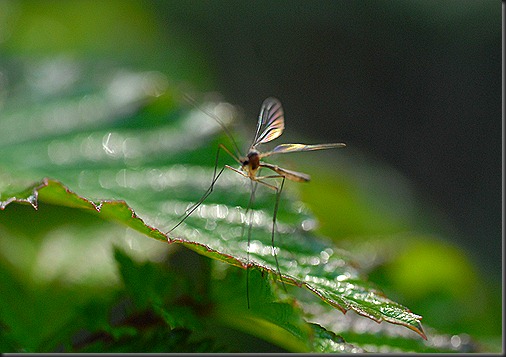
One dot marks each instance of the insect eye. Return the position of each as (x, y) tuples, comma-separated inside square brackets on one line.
[(245, 162)]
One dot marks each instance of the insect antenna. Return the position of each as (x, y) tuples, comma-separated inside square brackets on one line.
[(193, 102)]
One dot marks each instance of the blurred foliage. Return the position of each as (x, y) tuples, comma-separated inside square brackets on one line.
[(72, 281), (404, 256)]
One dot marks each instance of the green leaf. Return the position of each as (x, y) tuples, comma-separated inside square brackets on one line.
[(124, 148), (328, 342), (206, 312)]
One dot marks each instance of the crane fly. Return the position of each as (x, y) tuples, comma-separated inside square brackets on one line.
[(270, 125)]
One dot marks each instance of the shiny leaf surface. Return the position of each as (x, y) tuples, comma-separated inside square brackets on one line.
[(125, 148)]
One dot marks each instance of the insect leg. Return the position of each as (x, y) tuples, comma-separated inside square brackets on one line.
[(190, 210), (276, 206), (236, 170), (260, 178), (221, 146), (250, 225)]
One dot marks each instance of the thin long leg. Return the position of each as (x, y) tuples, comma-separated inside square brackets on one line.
[(254, 186), (190, 210), (276, 206), (221, 146), (257, 178), (236, 170)]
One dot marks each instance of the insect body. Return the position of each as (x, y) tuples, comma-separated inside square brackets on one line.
[(270, 125), (271, 120)]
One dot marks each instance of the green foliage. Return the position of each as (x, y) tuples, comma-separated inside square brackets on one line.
[(97, 158), (141, 168)]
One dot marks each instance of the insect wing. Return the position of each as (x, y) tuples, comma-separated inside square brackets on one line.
[(286, 148), (271, 119)]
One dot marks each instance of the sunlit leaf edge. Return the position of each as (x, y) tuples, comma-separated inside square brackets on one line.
[(54, 192)]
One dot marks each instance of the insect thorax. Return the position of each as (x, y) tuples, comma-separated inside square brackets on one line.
[(252, 161)]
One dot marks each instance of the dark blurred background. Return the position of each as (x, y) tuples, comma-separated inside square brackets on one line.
[(416, 84)]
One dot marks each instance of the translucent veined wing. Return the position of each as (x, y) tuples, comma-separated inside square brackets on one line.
[(286, 148), (289, 174), (271, 120)]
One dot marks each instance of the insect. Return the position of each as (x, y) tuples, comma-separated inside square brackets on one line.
[(270, 125)]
